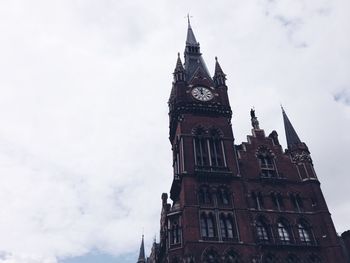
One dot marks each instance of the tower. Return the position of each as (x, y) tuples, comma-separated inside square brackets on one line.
[(251, 202)]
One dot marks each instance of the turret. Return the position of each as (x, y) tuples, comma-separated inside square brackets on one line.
[(142, 258)]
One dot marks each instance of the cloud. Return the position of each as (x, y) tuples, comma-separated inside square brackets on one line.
[(84, 150), (343, 96)]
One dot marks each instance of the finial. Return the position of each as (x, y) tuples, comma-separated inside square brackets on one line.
[(254, 119), (216, 58), (188, 20), (178, 54)]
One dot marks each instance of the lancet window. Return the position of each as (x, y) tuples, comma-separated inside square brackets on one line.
[(283, 232), (262, 231), (305, 232), (204, 195), (209, 149), (226, 226), (207, 222), (175, 234)]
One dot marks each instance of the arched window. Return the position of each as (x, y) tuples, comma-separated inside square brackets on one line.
[(262, 231), (216, 150), (201, 148), (292, 259), (175, 233), (204, 195), (258, 200), (223, 196), (211, 256), (207, 225), (226, 226), (266, 162), (277, 200), (283, 232), (297, 202), (305, 233), (231, 257)]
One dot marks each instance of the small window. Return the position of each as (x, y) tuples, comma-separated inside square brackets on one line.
[(207, 225), (223, 196), (258, 200), (304, 231), (175, 233), (226, 225), (297, 202), (277, 200), (261, 231), (205, 195), (266, 162), (283, 232)]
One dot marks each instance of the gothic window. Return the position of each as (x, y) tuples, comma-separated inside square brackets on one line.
[(211, 256), (292, 259), (205, 195), (258, 200), (266, 162), (261, 231), (297, 202), (277, 200), (216, 151), (175, 233), (207, 223), (305, 233), (226, 226), (201, 148), (231, 257), (208, 148), (283, 232), (223, 196)]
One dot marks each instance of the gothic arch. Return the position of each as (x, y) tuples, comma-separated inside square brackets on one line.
[(210, 255), (215, 132), (199, 130), (231, 256)]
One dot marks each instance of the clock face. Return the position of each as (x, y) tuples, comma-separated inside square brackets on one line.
[(202, 93)]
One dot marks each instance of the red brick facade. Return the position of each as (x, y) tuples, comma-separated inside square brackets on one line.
[(252, 202)]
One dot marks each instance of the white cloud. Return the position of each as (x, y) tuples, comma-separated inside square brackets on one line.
[(84, 154)]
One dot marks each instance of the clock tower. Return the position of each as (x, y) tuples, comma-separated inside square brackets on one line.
[(251, 202)]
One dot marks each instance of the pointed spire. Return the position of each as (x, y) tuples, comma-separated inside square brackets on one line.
[(291, 135), (179, 72), (191, 39), (142, 258), (219, 75), (193, 56)]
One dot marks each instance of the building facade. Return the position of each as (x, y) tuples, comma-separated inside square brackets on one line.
[(248, 202)]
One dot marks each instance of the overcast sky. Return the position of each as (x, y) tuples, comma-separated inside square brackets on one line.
[(84, 150)]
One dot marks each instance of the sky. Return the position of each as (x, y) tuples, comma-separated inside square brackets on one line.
[(84, 84)]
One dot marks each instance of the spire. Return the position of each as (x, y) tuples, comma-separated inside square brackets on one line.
[(191, 39), (142, 258), (291, 135), (179, 72), (219, 75), (193, 57)]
